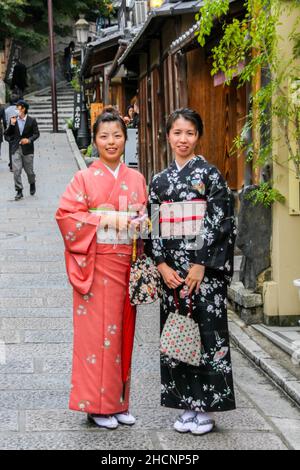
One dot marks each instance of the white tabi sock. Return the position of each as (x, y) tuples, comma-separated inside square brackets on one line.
[(188, 414), (204, 416)]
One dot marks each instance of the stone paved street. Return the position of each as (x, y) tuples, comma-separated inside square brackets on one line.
[(36, 328)]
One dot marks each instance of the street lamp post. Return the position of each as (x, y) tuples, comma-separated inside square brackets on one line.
[(83, 135), (52, 67)]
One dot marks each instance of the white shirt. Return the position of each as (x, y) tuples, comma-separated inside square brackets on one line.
[(114, 172), (21, 123)]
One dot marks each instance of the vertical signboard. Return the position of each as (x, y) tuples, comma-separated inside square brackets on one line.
[(77, 108)]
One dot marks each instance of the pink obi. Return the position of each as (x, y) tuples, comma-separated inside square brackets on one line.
[(183, 218)]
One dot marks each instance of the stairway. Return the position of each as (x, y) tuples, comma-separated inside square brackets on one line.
[(41, 107)]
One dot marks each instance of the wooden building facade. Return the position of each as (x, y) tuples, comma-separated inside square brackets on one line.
[(174, 71)]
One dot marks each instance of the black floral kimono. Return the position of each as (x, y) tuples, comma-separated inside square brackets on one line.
[(210, 386)]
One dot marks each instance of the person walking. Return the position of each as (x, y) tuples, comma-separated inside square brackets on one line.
[(93, 216), (196, 274), (2, 125), (19, 79), (68, 51), (10, 112), (22, 132)]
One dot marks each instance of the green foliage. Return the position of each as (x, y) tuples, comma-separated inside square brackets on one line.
[(253, 38), (266, 195), (27, 20), (75, 82), (106, 9), (69, 123), (89, 151), (240, 35), (209, 12)]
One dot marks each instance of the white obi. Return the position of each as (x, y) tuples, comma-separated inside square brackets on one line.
[(110, 236), (182, 218)]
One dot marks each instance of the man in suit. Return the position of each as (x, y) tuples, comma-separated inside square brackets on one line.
[(22, 132)]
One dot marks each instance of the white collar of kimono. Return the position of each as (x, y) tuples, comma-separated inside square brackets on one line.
[(114, 172), (181, 167)]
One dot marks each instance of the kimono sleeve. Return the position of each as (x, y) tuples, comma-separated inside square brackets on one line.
[(79, 231), (219, 229), (154, 246)]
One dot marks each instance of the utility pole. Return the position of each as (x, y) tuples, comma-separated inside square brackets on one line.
[(52, 67)]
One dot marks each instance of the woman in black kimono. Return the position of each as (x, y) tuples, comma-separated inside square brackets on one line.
[(199, 273)]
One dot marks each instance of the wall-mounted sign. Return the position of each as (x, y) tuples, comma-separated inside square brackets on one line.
[(220, 79)]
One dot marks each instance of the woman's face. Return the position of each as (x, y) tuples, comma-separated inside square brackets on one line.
[(110, 141), (131, 113), (136, 108), (183, 138)]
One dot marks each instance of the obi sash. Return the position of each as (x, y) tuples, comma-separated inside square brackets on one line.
[(182, 218), (109, 236)]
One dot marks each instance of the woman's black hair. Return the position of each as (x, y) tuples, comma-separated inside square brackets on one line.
[(128, 108), (189, 115), (109, 115)]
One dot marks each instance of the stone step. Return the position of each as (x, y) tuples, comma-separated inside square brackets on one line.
[(49, 104), (49, 109), (48, 98), (34, 104), (45, 118), (49, 125), (61, 87), (58, 93), (286, 338), (39, 99), (50, 130), (48, 101), (46, 112)]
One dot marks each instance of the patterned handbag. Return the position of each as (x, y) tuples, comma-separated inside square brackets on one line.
[(180, 338), (144, 280)]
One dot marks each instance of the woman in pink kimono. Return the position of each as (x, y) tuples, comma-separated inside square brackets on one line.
[(98, 252)]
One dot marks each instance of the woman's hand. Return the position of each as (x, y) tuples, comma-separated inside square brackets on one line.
[(170, 277), (195, 277), (115, 221)]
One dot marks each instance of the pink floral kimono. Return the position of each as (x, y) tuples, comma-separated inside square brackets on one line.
[(97, 269)]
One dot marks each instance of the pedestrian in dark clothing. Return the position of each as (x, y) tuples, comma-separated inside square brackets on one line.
[(10, 112), (19, 79), (2, 126), (128, 118), (67, 59), (136, 115), (23, 131)]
